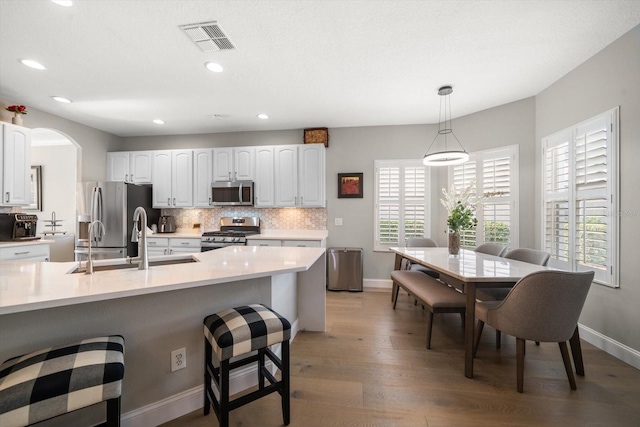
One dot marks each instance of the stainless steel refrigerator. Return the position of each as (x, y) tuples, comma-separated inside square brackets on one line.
[(112, 203)]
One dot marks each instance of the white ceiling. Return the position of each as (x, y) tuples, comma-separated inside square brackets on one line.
[(304, 63)]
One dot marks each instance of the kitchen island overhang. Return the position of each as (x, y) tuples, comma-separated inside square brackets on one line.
[(157, 310)]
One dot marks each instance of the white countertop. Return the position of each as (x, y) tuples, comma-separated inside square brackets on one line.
[(290, 235), (26, 243), (26, 286)]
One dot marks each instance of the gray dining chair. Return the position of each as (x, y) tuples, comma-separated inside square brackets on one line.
[(491, 248), (421, 242), (544, 307), (532, 256)]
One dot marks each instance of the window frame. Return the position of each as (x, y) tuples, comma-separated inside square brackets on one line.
[(513, 152), (402, 164), (611, 194)]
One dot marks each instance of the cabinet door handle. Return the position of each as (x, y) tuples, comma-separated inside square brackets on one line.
[(301, 200), (126, 177), (131, 178), (151, 243), (263, 244), (164, 252), (209, 201), (7, 197), (184, 243), (22, 253), (229, 175), (168, 201), (174, 201)]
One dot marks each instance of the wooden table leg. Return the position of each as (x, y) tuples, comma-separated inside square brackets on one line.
[(576, 351), (469, 328), (396, 266)]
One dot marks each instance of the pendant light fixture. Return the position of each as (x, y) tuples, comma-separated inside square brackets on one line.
[(447, 156)]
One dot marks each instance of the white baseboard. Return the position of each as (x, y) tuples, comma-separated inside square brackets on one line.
[(377, 283), (613, 347), (188, 401)]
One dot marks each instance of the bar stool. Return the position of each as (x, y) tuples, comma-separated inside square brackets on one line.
[(236, 332), (54, 381)]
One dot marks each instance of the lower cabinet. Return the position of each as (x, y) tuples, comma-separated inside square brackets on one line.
[(25, 253), (172, 246), (289, 243)]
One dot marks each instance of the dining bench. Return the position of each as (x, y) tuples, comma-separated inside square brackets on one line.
[(433, 294)]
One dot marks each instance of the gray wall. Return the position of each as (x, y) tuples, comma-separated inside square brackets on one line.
[(610, 78)]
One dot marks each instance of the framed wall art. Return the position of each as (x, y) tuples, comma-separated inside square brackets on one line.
[(350, 185)]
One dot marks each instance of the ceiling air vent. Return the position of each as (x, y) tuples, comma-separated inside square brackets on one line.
[(208, 36)]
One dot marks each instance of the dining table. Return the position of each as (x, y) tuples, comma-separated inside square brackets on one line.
[(469, 271)]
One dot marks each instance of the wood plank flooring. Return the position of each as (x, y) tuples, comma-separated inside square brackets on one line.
[(371, 368)]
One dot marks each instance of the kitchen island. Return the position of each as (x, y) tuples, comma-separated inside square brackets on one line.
[(157, 311)]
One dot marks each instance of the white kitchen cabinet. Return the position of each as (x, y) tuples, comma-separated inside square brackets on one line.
[(172, 179), (264, 242), (233, 164), (25, 252), (172, 246), (130, 166), (286, 175), (264, 191), (15, 165), (299, 175), (311, 175), (202, 177)]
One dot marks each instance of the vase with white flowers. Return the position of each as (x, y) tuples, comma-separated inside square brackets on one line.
[(461, 206)]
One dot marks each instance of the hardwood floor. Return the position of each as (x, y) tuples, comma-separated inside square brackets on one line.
[(371, 368)]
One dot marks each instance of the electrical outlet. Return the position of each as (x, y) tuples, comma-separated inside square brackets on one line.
[(338, 221), (178, 359)]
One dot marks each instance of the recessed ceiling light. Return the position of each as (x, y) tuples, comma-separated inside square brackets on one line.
[(65, 3), (263, 116), (61, 99), (33, 64), (212, 66), (217, 116), (158, 121)]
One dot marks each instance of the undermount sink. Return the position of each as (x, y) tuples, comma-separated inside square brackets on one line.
[(124, 266)]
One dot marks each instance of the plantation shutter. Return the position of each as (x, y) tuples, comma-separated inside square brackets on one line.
[(463, 175), (401, 202), (580, 193), (493, 171), (388, 204)]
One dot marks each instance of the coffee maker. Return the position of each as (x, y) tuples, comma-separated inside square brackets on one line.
[(18, 227)]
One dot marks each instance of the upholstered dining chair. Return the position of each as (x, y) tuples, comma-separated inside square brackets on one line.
[(421, 242), (491, 248), (543, 306), (532, 256)]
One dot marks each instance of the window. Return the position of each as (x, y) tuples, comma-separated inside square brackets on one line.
[(493, 171), (401, 210), (580, 194)]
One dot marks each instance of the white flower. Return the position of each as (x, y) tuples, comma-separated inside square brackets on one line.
[(467, 197)]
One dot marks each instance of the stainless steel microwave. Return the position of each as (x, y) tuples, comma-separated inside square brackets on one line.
[(232, 193)]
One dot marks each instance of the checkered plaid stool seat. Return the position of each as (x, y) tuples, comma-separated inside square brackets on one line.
[(57, 380), (240, 331)]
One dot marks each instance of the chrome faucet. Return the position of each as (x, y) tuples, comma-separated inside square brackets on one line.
[(140, 220), (89, 269)]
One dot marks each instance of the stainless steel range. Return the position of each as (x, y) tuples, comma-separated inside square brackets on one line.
[(233, 232)]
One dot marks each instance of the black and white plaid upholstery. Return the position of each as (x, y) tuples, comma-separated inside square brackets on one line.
[(244, 329), (56, 380)]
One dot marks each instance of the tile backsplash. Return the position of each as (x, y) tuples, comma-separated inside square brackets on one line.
[(270, 219)]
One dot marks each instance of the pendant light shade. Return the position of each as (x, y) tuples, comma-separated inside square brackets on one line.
[(447, 156)]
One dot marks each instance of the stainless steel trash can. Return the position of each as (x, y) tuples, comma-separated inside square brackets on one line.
[(344, 269)]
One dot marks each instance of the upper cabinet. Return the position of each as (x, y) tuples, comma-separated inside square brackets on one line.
[(264, 192), (172, 179), (15, 165), (299, 176), (130, 166), (202, 176), (233, 164)]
